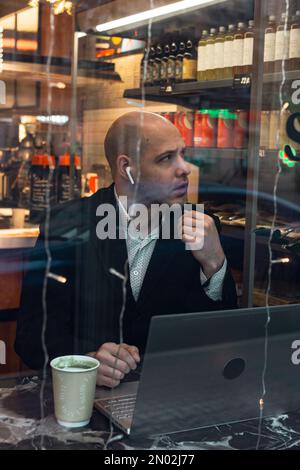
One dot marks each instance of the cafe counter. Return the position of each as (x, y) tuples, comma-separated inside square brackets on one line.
[(15, 245), (25, 424)]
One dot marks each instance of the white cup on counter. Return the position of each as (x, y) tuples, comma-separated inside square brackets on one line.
[(18, 218)]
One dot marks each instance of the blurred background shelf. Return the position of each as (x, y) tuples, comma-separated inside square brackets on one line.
[(214, 93)]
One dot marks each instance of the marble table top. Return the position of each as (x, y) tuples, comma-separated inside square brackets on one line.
[(25, 424)]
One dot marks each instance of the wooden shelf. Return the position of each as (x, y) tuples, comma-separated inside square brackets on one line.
[(214, 93), (276, 77)]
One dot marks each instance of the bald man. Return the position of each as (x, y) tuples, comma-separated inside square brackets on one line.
[(92, 313)]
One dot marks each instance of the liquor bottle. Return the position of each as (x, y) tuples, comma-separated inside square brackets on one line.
[(150, 66), (179, 60), (228, 52), (210, 57), (248, 48), (143, 70), (219, 53), (264, 129), (282, 42), (238, 48), (156, 67), (294, 53), (171, 67), (164, 62), (189, 63), (270, 40), (274, 126), (201, 59)]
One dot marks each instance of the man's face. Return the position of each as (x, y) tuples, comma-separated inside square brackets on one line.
[(163, 170)]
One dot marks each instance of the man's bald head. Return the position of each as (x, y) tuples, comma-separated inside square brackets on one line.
[(131, 135)]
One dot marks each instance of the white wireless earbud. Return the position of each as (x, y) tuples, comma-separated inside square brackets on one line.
[(128, 171)]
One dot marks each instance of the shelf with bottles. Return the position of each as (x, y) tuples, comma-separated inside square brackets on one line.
[(194, 94), (181, 67), (220, 53), (282, 43), (273, 131), (212, 131), (183, 70)]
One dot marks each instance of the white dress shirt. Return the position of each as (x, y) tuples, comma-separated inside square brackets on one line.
[(139, 254)]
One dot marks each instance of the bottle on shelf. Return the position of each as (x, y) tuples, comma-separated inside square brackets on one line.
[(270, 41), (238, 48), (201, 59), (225, 136), (156, 65), (248, 48), (171, 67), (294, 52), (164, 62), (150, 66), (142, 74), (228, 52), (205, 128), (145, 69), (43, 189), (189, 63), (219, 53), (64, 180), (210, 57), (282, 42), (264, 129), (283, 136), (274, 126), (187, 127), (240, 130), (179, 60)]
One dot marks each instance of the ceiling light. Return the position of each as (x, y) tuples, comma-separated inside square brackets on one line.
[(159, 12), (60, 85), (55, 119)]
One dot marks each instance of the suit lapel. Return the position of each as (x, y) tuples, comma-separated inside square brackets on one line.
[(164, 252), (112, 253)]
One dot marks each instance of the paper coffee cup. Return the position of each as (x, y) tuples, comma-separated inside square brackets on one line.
[(74, 384), (18, 218)]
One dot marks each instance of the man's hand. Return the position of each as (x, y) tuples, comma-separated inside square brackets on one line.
[(200, 233), (116, 360)]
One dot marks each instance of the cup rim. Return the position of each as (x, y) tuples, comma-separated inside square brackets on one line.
[(76, 357)]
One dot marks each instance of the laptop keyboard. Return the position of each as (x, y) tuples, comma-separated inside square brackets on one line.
[(120, 408)]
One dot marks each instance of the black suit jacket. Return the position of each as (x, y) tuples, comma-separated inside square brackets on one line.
[(83, 313)]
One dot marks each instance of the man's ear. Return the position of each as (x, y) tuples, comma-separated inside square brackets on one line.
[(122, 163)]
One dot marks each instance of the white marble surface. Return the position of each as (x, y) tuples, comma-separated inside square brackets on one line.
[(21, 426)]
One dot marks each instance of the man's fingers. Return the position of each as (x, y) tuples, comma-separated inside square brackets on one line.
[(192, 232), (110, 372), (107, 381), (133, 350), (195, 215), (188, 238), (106, 357), (188, 222), (125, 356), (119, 356)]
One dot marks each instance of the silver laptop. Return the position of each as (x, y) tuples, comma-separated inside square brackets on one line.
[(204, 369)]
